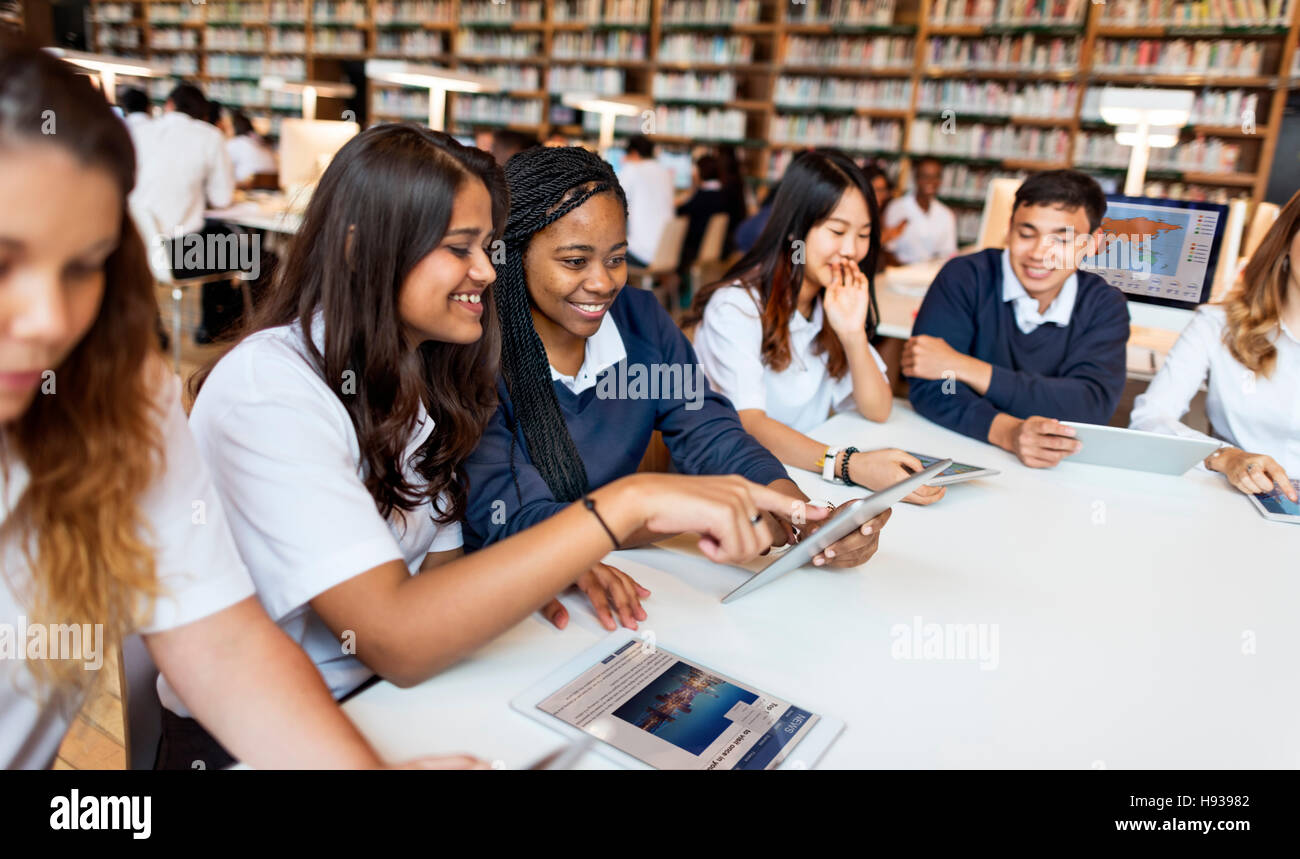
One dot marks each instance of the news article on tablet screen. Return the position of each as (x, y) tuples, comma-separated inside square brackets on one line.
[(674, 714)]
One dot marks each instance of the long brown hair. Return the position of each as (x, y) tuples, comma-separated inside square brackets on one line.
[(94, 446), (1253, 310), (810, 189), (382, 205)]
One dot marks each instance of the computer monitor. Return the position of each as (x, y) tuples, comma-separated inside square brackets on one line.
[(679, 164), (306, 147), (1160, 251)]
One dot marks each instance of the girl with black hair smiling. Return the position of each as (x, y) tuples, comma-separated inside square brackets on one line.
[(335, 427), (574, 341), (785, 333)]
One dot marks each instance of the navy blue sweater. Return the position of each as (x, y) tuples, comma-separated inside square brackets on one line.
[(1071, 373), (702, 432)]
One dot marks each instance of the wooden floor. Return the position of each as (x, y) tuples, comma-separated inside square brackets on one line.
[(97, 738)]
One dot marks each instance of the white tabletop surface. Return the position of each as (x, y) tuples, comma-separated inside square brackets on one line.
[(262, 212), (1142, 621)]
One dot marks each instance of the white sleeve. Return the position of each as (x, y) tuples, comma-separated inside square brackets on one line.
[(198, 567), (894, 213), (282, 461), (729, 346), (948, 241), (220, 188), (1167, 398)]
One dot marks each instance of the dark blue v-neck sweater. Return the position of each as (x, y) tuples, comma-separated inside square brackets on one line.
[(611, 425), (1074, 372)]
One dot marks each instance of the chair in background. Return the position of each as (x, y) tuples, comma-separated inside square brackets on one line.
[(1265, 215), (709, 259), (998, 202), (156, 252), (660, 276), (141, 708)]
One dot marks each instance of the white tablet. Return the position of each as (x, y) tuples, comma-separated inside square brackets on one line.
[(955, 473), (846, 520), (652, 708), (1137, 450), (1276, 506)]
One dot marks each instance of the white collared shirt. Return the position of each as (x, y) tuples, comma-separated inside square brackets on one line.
[(1026, 306), (249, 155), (649, 189), (286, 461), (603, 350), (196, 564), (1249, 411), (729, 343), (182, 168), (928, 235)]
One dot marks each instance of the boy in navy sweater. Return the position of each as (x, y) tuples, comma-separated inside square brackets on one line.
[(1007, 343)]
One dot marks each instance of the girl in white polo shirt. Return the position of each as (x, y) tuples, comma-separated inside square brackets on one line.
[(784, 335), (1248, 350), (109, 523), (335, 429)]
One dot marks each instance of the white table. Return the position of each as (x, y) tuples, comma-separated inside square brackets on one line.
[(272, 213), (1123, 605)]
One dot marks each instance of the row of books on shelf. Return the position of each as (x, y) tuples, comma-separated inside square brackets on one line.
[(117, 38), (969, 183), (994, 98), (605, 81), (512, 77), (1019, 12), (409, 43), (1027, 52), (113, 13), (968, 226), (179, 13), (879, 52), (977, 140), (1227, 107), (255, 66), (1197, 13), (679, 121), (859, 133), (603, 11), (699, 48), (1179, 56), (692, 86), (488, 12), (606, 45), (845, 12), (492, 44), (340, 12), (181, 65), (388, 12), (497, 110), (830, 92), (1202, 155)]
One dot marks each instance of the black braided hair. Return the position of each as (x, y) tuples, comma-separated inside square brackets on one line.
[(546, 183)]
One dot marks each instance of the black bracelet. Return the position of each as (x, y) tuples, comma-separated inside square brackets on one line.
[(590, 504), (844, 466)]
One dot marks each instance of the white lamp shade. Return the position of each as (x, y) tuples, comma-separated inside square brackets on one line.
[(430, 77)]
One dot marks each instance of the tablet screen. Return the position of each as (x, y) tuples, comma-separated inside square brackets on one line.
[(955, 468), (674, 714), (1276, 502)]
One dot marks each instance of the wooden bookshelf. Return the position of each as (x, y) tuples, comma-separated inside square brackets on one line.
[(776, 32)]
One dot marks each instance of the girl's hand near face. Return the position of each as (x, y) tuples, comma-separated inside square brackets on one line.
[(847, 302)]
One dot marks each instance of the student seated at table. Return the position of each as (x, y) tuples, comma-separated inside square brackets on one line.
[(250, 154), (590, 370), (784, 334), (108, 517), (336, 426), (1249, 347), (918, 227), (1007, 343)]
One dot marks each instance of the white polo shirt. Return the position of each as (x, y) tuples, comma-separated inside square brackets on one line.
[(286, 462), (249, 156), (1026, 306), (1255, 413), (928, 235), (182, 168), (603, 350), (729, 341), (197, 565), (649, 189)]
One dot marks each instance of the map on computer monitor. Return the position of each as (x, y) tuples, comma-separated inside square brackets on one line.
[(1159, 250)]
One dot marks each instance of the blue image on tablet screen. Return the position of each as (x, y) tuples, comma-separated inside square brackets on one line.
[(1276, 502), (955, 468), (684, 706)]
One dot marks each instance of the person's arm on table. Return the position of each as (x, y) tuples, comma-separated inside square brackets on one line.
[(236, 664), (408, 628)]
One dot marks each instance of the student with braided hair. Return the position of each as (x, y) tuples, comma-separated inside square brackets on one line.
[(589, 371), (336, 426)]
